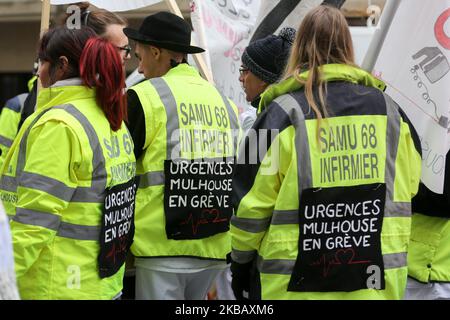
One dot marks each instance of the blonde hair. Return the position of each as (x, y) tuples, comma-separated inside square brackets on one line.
[(322, 38)]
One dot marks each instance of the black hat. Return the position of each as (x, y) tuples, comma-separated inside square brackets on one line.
[(267, 57), (165, 30)]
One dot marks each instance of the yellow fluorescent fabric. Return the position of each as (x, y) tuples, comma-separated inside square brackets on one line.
[(261, 229), (55, 228), (187, 89)]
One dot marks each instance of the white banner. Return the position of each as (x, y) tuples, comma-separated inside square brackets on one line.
[(414, 62), (284, 19), (361, 37), (224, 28), (275, 15), (114, 5)]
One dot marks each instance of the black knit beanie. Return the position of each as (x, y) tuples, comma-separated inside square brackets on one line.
[(267, 57)]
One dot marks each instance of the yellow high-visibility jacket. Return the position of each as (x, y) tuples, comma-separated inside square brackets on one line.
[(9, 121), (308, 209), (186, 118), (53, 187)]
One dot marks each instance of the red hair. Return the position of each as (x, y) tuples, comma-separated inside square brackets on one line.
[(101, 67)]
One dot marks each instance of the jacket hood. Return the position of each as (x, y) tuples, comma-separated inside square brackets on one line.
[(329, 72)]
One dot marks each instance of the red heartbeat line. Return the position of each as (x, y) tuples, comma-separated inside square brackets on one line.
[(122, 247), (202, 220), (339, 258)]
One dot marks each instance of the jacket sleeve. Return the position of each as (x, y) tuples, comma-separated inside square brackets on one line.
[(238, 134), (426, 201), (415, 156), (9, 123), (52, 154), (136, 122), (409, 159), (264, 156)]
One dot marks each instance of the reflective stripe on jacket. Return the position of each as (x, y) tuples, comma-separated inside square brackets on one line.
[(54, 182), (266, 225), (9, 122), (168, 105)]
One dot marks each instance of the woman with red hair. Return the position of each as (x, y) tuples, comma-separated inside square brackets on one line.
[(70, 174)]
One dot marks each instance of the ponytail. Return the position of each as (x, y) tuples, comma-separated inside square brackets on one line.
[(101, 67)]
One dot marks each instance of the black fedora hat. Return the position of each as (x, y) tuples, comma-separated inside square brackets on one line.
[(165, 30)]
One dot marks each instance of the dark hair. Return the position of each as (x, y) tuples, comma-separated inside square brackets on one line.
[(95, 60), (101, 67), (61, 41), (98, 20)]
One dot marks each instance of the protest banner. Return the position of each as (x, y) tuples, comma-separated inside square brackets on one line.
[(414, 63), (227, 26)]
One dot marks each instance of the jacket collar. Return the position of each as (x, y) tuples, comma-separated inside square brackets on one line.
[(329, 73), (63, 92), (67, 82), (183, 69)]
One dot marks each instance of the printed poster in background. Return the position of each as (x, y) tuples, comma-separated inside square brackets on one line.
[(275, 15), (224, 28), (414, 63)]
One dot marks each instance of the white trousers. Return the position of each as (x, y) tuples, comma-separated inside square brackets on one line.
[(223, 285), (416, 290), (160, 285)]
